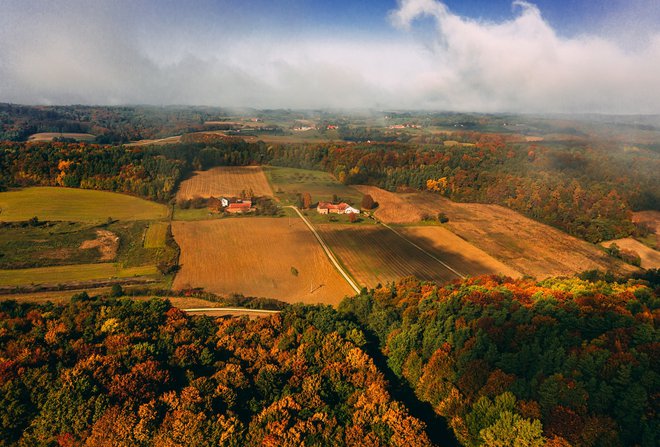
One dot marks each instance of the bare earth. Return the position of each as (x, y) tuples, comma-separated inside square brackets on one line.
[(167, 140), (523, 244), (255, 257), (225, 181), (106, 242), (650, 258), (49, 136)]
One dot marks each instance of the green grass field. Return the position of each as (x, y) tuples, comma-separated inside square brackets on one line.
[(72, 273), (81, 205), (288, 182), (194, 214), (156, 235), (48, 244)]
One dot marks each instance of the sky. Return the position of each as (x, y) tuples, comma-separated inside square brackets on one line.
[(566, 56)]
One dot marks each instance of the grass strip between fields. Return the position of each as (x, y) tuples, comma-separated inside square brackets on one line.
[(72, 273)]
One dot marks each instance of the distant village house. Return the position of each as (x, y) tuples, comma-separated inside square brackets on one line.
[(339, 208)]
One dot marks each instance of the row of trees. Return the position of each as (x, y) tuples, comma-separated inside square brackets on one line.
[(584, 190), (133, 171)]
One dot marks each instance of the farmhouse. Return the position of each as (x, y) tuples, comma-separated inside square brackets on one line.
[(240, 207), (340, 208)]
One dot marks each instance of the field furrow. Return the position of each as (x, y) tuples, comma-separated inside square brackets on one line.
[(376, 255), (225, 181)]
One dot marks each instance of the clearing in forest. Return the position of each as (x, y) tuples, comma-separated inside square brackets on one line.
[(76, 205), (650, 219), (225, 181), (267, 257), (527, 246)]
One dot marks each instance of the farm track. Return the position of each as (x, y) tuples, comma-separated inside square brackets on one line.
[(328, 252)]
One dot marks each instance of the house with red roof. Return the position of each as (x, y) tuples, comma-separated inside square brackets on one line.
[(339, 208), (244, 206)]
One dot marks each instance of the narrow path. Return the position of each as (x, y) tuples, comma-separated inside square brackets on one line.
[(444, 264), (328, 253)]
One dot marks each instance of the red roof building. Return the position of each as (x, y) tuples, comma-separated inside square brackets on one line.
[(240, 207), (339, 208)]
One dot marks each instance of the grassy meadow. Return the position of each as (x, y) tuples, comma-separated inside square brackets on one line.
[(287, 183), (156, 235), (79, 205), (72, 273)]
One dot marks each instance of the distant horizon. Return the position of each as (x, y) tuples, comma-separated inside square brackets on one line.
[(498, 56), (240, 109)]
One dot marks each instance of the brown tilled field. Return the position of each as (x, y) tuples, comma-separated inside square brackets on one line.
[(50, 136), (167, 140), (523, 244), (375, 255), (266, 257), (457, 253), (225, 180), (650, 257)]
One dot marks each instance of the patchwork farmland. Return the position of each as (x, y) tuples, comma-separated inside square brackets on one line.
[(523, 244), (225, 180), (274, 257)]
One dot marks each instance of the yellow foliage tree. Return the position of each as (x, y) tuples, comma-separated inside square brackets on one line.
[(439, 185)]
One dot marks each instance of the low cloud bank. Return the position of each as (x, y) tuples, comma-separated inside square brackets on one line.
[(96, 56)]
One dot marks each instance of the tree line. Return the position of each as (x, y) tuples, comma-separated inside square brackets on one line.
[(586, 190)]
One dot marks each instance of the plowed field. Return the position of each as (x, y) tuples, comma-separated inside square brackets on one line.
[(267, 257), (225, 181)]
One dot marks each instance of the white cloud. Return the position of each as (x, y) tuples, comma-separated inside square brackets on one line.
[(101, 55)]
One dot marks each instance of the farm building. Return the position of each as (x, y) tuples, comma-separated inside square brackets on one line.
[(239, 207), (339, 208)]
